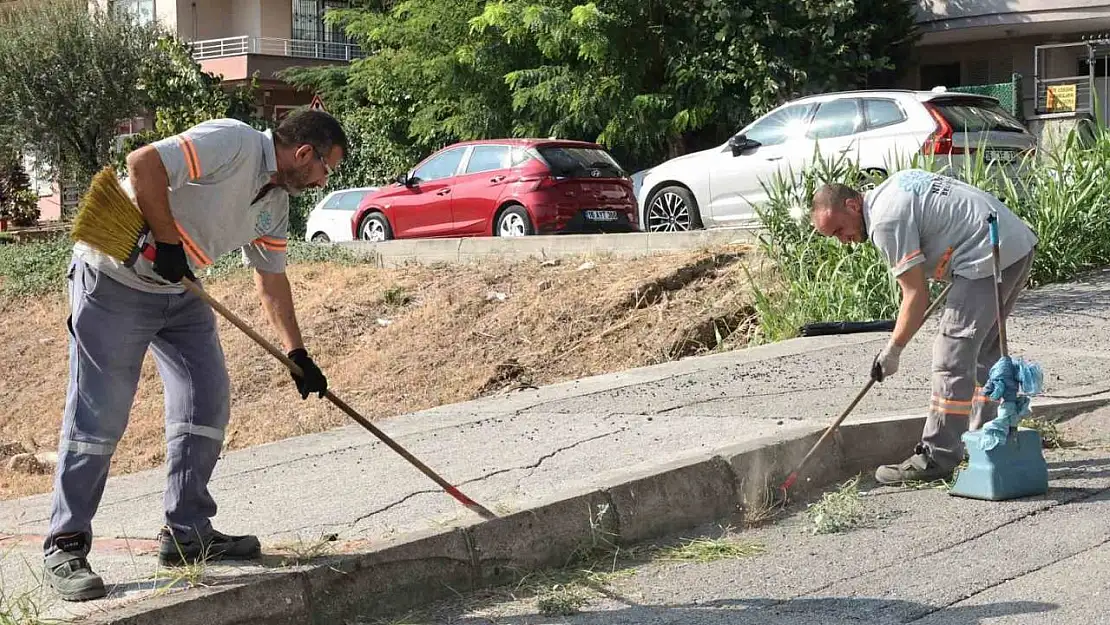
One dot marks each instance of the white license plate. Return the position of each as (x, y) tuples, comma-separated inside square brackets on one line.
[(1001, 156), (601, 215)]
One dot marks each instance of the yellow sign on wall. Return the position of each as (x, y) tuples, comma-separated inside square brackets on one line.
[(1060, 98)]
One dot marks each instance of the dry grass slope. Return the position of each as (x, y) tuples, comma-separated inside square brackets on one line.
[(400, 340)]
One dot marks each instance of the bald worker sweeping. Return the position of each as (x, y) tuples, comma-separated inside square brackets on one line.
[(929, 226)]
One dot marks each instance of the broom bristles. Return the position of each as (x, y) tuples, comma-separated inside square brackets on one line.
[(107, 219)]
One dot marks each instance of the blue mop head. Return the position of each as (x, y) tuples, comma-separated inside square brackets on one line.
[(1009, 377)]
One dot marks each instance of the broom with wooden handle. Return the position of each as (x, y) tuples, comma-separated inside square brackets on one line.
[(793, 477), (109, 221)]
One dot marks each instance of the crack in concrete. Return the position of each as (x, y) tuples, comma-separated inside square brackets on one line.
[(974, 537), (1018, 519), (668, 378), (528, 467), (1010, 579)]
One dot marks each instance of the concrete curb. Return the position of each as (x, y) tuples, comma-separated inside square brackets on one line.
[(470, 249), (725, 484)]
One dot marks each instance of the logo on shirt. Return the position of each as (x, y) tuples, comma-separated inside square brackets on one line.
[(919, 182), (915, 182)]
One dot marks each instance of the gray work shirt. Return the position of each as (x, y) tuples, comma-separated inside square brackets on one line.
[(216, 170), (916, 217)]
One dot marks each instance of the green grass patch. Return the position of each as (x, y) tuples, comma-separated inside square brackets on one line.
[(1059, 194), (703, 550), (39, 268), (28, 605), (22, 609), (562, 600), (837, 511), (1051, 438), (34, 269)]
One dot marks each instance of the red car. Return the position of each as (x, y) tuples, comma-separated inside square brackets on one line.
[(502, 187)]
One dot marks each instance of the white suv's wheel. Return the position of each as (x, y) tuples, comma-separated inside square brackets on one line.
[(672, 209)]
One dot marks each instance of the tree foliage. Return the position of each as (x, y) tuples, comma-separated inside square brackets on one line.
[(18, 202), (71, 75), (648, 78), (645, 76), (180, 94), (68, 76)]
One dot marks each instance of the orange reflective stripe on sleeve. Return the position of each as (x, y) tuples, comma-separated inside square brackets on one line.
[(191, 160), (200, 259), (942, 266), (909, 257)]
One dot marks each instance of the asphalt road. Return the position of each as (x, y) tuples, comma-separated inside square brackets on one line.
[(919, 556), (513, 451)]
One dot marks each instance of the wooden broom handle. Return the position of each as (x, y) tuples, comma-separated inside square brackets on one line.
[(342, 405)]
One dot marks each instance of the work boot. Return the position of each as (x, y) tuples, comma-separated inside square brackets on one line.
[(216, 546), (920, 467), (68, 571)]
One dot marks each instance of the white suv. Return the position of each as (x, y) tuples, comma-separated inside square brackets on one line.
[(876, 129)]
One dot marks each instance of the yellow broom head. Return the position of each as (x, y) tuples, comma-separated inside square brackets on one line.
[(107, 219)]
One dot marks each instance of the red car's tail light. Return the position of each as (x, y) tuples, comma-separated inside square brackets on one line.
[(541, 182)]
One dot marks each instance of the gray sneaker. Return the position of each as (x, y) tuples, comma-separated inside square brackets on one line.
[(68, 571), (215, 547), (920, 467)]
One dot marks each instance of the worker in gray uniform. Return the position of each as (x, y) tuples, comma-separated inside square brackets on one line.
[(929, 226), (218, 187)]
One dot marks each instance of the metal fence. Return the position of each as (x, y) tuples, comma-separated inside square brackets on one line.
[(1008, 94), (300, 48)]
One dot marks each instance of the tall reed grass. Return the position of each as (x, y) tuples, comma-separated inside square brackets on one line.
[(1064, 195)]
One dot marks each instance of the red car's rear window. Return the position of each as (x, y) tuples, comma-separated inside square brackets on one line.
[(580, 162)]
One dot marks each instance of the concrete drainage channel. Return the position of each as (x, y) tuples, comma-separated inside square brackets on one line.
[(631, 508)]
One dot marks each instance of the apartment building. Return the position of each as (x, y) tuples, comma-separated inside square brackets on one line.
[(1059, 48), (233, 39), (236, 38)]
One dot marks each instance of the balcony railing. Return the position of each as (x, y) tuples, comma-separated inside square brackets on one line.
[(299, 48), (1063, 95)]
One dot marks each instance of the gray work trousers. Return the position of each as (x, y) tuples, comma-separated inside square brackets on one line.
[(111, 326), (965, 348)]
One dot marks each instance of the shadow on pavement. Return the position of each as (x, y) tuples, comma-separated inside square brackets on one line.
[(826, 611), (1077, 296)]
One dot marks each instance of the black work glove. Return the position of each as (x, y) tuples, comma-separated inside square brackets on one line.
[(170, 262), (313, 380)]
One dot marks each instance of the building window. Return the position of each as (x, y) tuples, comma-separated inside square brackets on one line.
[(308, 20), (940, 75), (142, 11), (1083, 67)]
